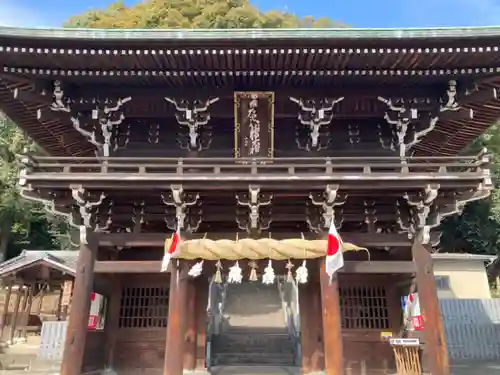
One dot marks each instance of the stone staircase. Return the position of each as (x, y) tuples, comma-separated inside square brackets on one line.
[(254, 331)]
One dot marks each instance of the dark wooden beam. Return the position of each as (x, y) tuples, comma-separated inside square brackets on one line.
[(230, 182), (318, 92), (32, 96), (166, 115), (154, 266), (158, 239), (277, 217), (467, 96)]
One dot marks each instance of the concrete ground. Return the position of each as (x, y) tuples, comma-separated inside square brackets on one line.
[(22, 358), (475, 368)]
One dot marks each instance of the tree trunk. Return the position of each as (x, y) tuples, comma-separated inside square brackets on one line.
[(4, 239)]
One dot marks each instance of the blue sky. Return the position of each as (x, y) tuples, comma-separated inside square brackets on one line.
[(358, 13)]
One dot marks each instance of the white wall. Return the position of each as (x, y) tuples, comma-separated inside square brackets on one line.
[(467, 278)]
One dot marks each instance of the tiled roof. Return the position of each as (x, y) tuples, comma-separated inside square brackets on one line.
[(64, 261), (231, 34)]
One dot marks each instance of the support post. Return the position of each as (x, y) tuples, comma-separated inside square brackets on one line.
[(202, 286), (59, 304), (176, 319), (306, 335), (13, 321), (76, 334), (27, 311), (112, 320), (5, 311), (435, 344), (189, 357), (40, 301), (311, 334), (332, 329)]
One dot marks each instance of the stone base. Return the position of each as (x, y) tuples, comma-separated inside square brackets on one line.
[(255, 370), (196, 372)]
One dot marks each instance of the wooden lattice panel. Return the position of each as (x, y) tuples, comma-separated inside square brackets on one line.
[(144, 307), (364, 307)]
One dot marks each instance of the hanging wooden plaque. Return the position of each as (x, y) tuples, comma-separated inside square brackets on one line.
[(253, 124), (67, 293)]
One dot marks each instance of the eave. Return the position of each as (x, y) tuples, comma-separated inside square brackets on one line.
[(89, 59), (461, 33)]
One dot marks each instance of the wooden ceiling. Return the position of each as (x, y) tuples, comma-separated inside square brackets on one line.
[(151, 65)]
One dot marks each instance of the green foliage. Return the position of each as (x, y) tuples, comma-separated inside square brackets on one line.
[(477, 230), (23, 224), (205, 14)]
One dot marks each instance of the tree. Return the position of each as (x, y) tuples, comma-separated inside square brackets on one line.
[(23, 224), (477, 230), (223, 14)]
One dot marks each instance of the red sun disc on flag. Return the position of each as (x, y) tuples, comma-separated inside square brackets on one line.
[(333, 245)]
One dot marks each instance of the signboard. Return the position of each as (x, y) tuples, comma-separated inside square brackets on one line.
[(405, 342), (253, 124), (67, 292), (97, 314)]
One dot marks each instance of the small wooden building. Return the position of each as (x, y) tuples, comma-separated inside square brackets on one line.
[(251, 143), (28, 278)]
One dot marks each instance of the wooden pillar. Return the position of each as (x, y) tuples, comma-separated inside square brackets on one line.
[(5, 311), (318, 354), (112, 319), (306, 334), (202, 286), (66, 293), (332, 329), (13, 321), (435, 344), (27, 311), (40, 301), (60, 304), (189, 357), (176, 319), (311, 329), (76, 334)]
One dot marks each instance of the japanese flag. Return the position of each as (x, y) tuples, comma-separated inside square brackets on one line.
[(172, 249), (334, 256)]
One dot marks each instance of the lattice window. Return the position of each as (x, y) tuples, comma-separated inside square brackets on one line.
[(144, 307), (364, 307)]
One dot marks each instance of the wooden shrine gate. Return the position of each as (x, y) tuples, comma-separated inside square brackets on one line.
[(252, 144)]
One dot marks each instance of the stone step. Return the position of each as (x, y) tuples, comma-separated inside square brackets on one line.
[(285, 347), (270, 342), (254, 370), (260, 358), (253, 304), (256, 331)]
